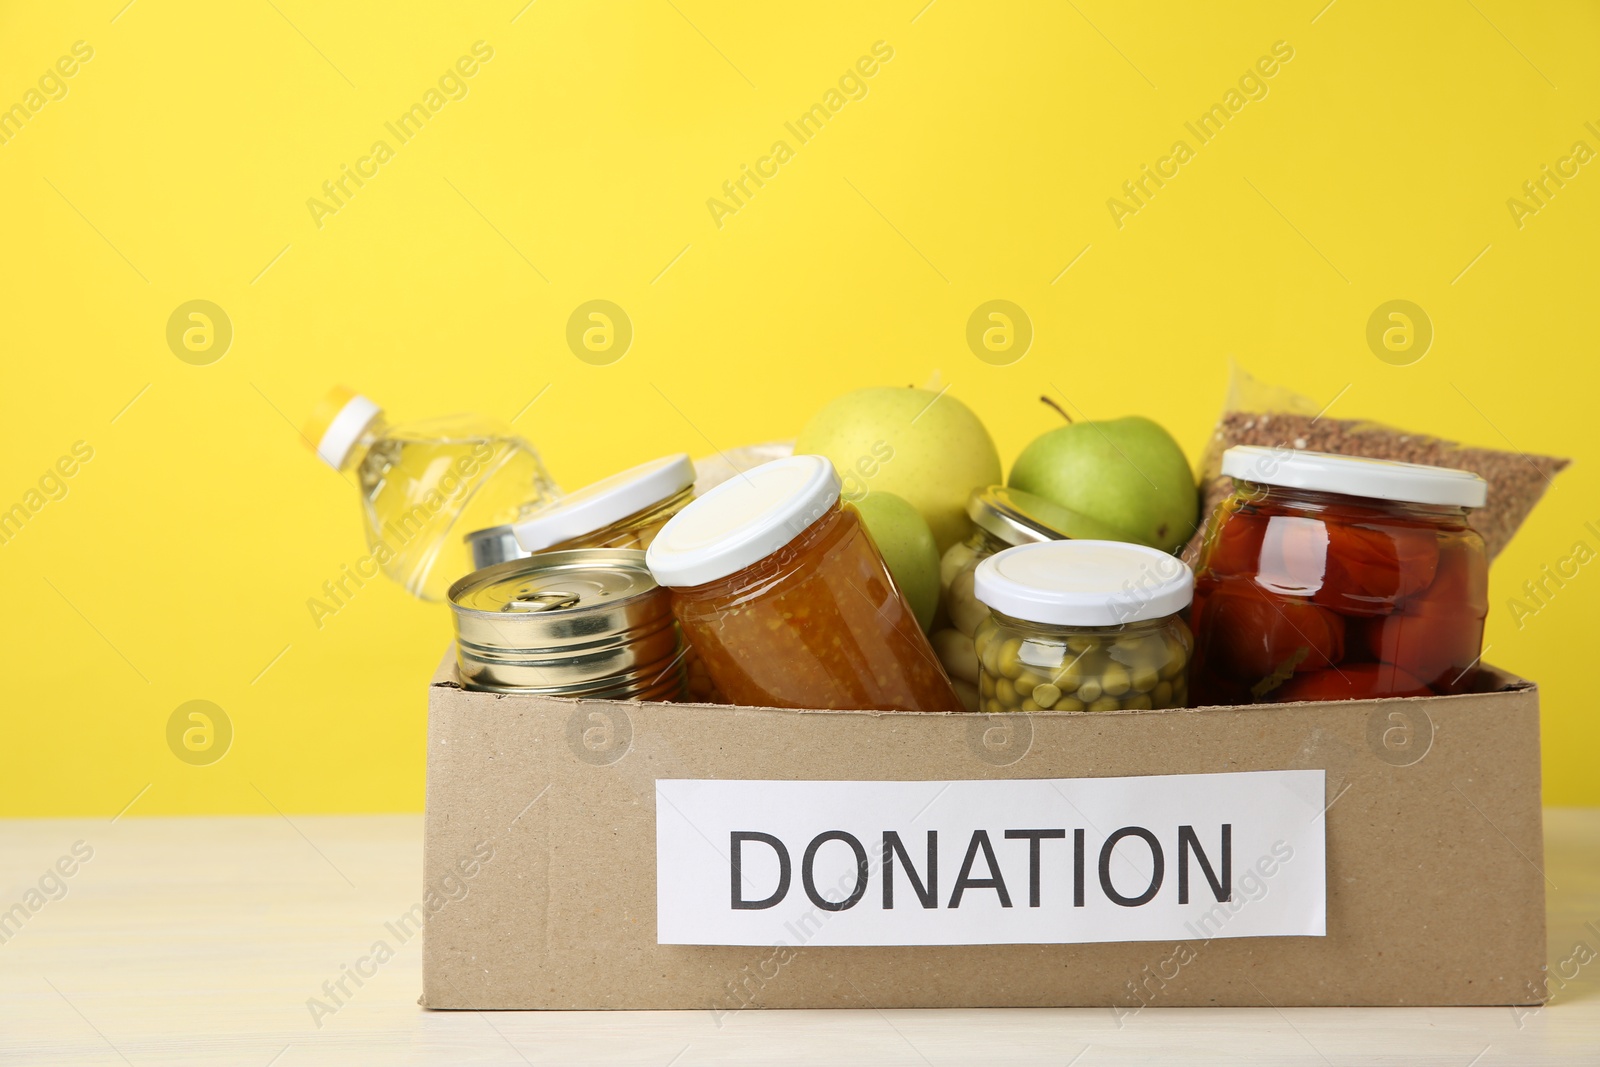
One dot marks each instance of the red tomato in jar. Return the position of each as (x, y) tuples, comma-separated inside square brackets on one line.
[(1353, 681), (1440, 647), (1460, 583), (1294, 556), (1233, 548), (1372, 568), (1437, 634), (1249, 633)]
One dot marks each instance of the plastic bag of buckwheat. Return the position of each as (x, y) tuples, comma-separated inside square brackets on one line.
[(1257, 413)]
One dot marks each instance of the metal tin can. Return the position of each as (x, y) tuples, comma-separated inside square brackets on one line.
[(583, 622), (494, 544)]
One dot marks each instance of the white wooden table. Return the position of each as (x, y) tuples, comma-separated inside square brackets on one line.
[(187, 941)]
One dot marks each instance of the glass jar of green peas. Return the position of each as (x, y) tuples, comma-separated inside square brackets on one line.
[(1002, 517), (1083, 626)]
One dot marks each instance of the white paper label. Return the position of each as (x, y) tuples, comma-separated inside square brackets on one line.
[(1026, 861)]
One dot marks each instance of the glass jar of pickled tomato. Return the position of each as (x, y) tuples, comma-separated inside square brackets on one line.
[(1329, 577), (1083, 626), (781, 592)]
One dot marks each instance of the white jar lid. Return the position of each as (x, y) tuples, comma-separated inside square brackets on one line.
[(1379, 479), (743, 520), (602, 503), (1084, 583)]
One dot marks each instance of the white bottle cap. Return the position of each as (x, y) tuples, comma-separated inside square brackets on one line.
[(602, 503), (336, 426), (1084, 583), (743, 520), (1379, 479)]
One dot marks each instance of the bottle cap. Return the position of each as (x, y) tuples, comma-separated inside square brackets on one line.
[(1378, 479), (335, 426), (1084, 583), (743, 520), (602, 503)]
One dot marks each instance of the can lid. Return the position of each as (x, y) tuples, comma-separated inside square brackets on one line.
[(1084, 583), (335, 426), (743, 520), (553, 585), (602, 503), (1020, 518), (578, 622), (1380, 479)]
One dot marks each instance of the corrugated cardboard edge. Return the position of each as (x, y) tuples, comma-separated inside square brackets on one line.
[(1436, 890)]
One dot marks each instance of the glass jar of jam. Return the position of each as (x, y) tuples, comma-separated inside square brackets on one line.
[(625, 510), (1083, 626), (1329, 577), (781, 592), (1001, 518)]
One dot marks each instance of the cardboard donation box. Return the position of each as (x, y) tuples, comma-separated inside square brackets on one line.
[(600, 854)]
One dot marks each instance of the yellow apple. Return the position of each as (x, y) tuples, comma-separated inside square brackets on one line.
[(927, 448)]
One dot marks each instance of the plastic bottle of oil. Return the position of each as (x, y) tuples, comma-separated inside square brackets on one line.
[(424, 483)]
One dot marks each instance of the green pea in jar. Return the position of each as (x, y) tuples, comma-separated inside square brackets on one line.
[(1002, 518), (1083, 626)]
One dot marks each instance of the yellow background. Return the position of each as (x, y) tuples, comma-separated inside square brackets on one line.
[(180, 162)]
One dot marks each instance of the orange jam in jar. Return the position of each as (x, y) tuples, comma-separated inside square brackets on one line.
[(786, 600), (1329, 577)]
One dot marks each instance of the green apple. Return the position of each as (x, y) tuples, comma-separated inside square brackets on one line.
[(1126, 473), (902, 535), (926, 447)]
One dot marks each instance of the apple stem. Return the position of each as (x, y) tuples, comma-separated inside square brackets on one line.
[(1058, 409)]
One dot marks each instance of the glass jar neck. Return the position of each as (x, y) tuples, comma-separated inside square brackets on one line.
[(1314, 500), (651, 515), (659, 511), (1141, 626), (987, 543), (776, 565)]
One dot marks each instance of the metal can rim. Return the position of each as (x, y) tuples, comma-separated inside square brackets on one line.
[(631, 559)]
